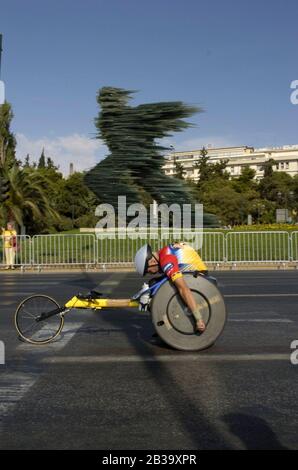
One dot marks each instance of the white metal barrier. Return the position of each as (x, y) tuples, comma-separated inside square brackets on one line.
[(258, 247), (122, 250), (214, 247), (74, 249), (88, 249), (294, 246)]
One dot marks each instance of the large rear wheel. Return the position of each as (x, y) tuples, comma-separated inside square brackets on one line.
[(175, 324)]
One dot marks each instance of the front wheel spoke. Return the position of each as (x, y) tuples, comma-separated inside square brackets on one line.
[(30, 317), (29, 329), (47, 321), (31, 314)]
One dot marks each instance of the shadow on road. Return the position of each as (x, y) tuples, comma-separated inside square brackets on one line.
[(189, 413), (253, 431)]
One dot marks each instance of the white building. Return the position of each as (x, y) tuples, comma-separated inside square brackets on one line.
[(286, 159)]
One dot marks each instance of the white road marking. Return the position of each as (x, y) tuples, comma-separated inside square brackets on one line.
[(27, 282), (260, 295), (15, 384), (262, 320), (69, 330), (166, 358), (16, 294), (109, 283)]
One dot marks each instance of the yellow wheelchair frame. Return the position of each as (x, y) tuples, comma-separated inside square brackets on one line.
[(100, 303)]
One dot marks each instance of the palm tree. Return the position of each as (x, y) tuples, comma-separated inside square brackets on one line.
[(27, 197)]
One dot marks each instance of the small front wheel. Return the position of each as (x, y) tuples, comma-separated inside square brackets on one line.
[(38, 319)]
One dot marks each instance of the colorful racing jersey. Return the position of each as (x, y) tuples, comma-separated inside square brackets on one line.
[(176, 258)]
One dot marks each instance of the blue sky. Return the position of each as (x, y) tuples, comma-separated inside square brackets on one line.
[(234, 58)]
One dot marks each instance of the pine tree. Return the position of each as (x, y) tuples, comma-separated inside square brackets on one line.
[(7, 138), (51, 165), (42, 160), (179, 170), (27, 161), (267, 167), (203, 166), (209, 171)]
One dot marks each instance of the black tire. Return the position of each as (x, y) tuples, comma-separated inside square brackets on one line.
[(42, 332), (176, 325)]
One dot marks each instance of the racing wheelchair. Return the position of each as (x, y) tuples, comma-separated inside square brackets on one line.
[(39, 319)]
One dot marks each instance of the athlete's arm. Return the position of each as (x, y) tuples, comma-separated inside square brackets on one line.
[(185, 293), (169, 265)]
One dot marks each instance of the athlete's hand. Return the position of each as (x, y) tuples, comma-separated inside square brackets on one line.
[(200, 326)]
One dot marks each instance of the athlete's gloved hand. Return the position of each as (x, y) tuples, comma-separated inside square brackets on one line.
[(144, 301), (197, 313)]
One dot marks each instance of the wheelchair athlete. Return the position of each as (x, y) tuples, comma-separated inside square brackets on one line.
[(173, 260)]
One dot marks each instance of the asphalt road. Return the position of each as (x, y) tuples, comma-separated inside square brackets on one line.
[(108, 384)]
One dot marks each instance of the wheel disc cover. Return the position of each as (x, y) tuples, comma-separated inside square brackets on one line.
[(181, 318), (175, 324)]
